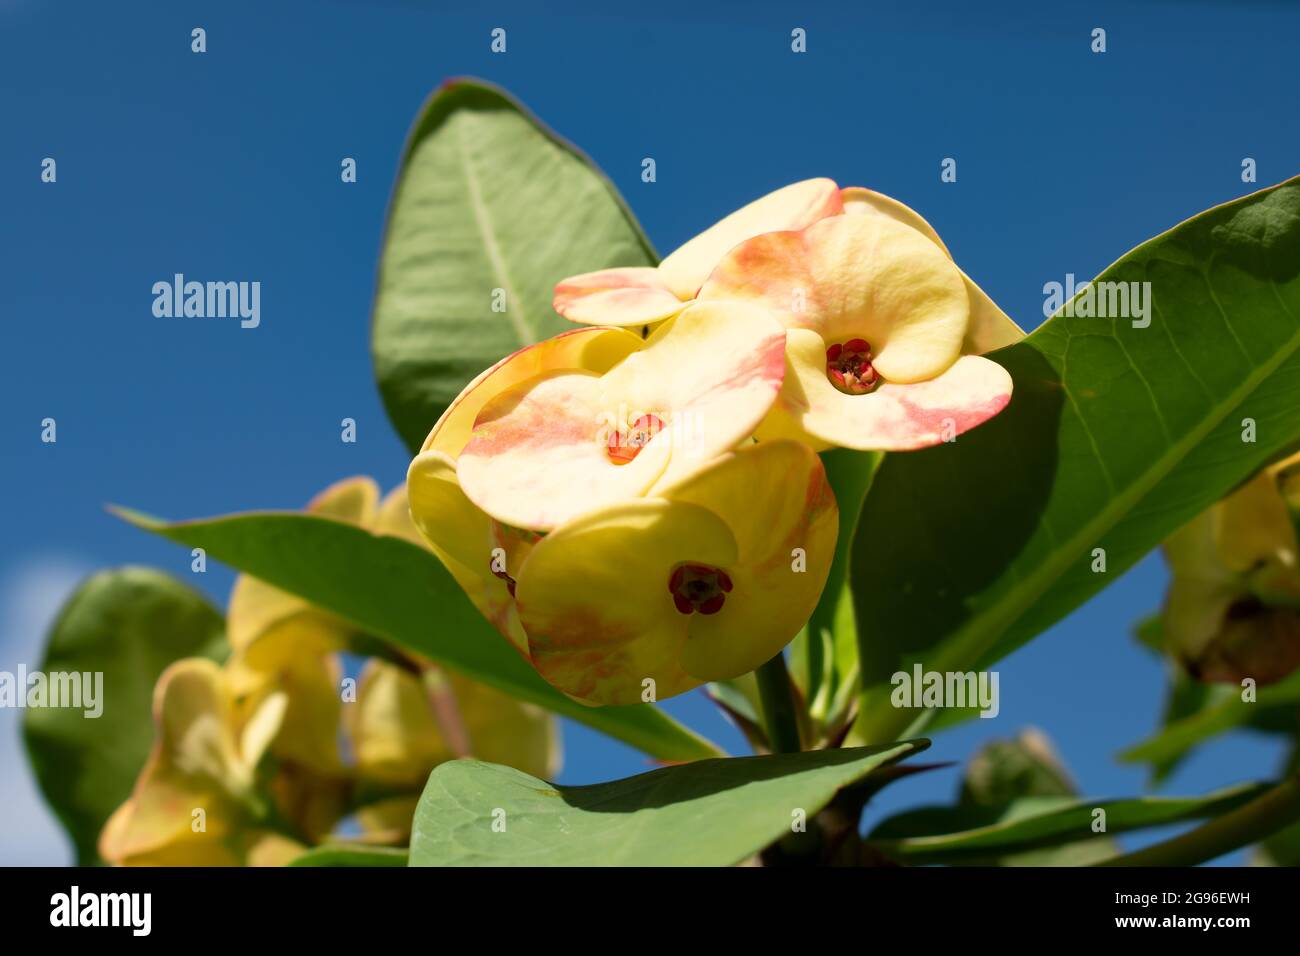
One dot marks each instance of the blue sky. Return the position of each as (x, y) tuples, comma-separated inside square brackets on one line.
[(226, 165)]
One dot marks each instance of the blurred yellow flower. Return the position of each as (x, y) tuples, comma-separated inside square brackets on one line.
[(198, 800), (1233, 608), (281, 696)]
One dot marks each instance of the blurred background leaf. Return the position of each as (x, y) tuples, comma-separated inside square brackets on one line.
[(1195, 712), (1204, 714), (130, 623), (1019, 807)]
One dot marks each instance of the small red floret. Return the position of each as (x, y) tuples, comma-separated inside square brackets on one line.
[(699, 587)]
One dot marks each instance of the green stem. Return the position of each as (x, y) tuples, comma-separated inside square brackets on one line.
[(1262, 817), (776, 694), (850, 474)]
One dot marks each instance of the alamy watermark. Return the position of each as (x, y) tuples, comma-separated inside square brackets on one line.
[(74, 908), (960, 689), (1099, 300), (82, 690), (208, 300)]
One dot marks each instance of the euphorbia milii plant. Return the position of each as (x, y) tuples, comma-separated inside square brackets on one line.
[(256, 761), (558, 445), (872, 301), (801, 317), (699, 582), (801, 457)]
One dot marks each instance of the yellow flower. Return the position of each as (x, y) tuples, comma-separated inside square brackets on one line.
[(704, 581), (641, 296), (884, 331), (880, 342), (567, 442), (553, 432), (198, 800), (1233, 608), (281, 694), (404, 724), (480, 552), (824, 315), (278, 640), (274, 633)]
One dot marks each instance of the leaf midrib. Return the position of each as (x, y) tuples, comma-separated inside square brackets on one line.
[(515, 312), (983, 632)]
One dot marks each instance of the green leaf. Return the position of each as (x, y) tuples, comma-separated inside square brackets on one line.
[(1115, 436), (1271, 812), (975, 835), (1222, 710), (1185, 698), (1004, 771), (708, 813), (1000, 775), (487, 199), (347, 854), (396, 590), (129, 624)]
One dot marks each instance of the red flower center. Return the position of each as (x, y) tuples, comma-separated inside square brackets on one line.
[(849, 368), (624, 446), (698, 587)]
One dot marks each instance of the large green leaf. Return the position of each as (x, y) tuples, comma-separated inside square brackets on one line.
[(129, 624), (393, 589), (1115, 436), (487, 199), (708, 813), (973, 834)]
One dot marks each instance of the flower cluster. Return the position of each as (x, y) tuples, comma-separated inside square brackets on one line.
[(259, 758), (1233, 608), (638, 504)]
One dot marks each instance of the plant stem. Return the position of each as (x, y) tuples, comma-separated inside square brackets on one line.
[(1262, 817), (850, 474), (776, 694)]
